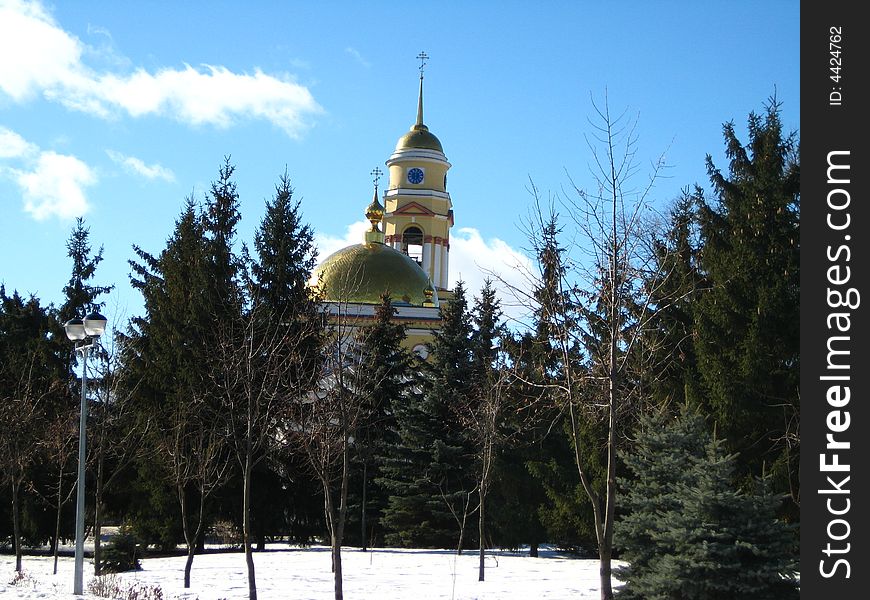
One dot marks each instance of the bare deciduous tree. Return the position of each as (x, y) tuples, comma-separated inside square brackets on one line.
[(326, 422), (597, 303), (260, 366), (118, 437), (21, 417), (59, 444)]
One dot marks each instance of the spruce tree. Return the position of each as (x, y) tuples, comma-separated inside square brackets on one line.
[(429, 474), (747, 320), (219, 219), (80, 296), (170, 353), (672, 376), (688, 531), (285, 255), (382, 378)]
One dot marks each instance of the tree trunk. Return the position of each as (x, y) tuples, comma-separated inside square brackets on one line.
[(16, 522), (363, 503), (188, 566), (98, 516), (338, 537), (246, 526), (57, 521), (533, 550), (336, 565), (604, 555), (480, 525)]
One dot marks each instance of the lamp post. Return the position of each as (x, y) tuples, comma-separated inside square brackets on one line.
[(86, 330)]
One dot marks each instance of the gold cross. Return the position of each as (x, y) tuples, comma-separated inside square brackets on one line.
[(376, 173), (423, 58)]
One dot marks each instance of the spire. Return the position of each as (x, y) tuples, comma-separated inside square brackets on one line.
[(422, 56)]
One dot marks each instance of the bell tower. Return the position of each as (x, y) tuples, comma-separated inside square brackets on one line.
[(418, 211)]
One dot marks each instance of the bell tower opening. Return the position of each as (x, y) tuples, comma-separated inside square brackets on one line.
[(412, 244)]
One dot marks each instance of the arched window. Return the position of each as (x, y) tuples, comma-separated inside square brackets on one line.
[(412, 244)]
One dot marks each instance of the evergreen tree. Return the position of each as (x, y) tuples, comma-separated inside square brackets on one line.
[(748, 318), (672, 376), (382, 379), (551, 359), (285, 257), (170, 353), (219, 219), (688, 531), (80, 296), (286, 254), (30, 371), (428, 475)]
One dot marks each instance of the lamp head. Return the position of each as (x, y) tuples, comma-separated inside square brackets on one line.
[(94, 324), (75, 329)]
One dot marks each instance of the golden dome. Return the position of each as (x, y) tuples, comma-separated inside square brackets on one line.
[(419, 137), (363, 272)]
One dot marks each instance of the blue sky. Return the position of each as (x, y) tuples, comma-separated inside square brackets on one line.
[(118, 112)]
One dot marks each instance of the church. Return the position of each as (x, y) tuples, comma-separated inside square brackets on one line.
[(406, 251)]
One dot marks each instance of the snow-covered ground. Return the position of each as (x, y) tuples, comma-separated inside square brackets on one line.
[(290, 573)]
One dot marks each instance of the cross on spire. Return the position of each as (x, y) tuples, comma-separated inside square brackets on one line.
[(376, 173), (423, 58)]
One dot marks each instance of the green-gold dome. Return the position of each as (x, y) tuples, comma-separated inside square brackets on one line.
[(363, 272), (419, 137)]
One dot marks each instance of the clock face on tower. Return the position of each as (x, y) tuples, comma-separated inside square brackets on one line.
[(415, 175)]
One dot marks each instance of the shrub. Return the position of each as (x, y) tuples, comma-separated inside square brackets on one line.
[(110, 586), (688, 532), (120, 554)]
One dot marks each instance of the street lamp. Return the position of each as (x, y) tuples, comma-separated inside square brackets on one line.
[(86, 330)]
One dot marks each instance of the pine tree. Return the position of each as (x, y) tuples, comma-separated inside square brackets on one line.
[(484, 416), (748, 319), (688, 531)]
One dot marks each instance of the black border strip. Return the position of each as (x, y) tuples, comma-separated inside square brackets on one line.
[(835, 225)]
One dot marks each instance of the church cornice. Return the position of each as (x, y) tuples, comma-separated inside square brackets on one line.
[(418, 154), (394, 192)]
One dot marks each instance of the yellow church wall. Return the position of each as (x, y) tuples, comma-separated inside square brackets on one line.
[(433, 175)]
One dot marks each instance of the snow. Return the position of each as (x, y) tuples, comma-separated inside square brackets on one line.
[(304, 573)]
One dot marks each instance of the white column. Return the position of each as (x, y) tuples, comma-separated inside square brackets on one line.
[(445, 260), (427, 258), (436, 271)]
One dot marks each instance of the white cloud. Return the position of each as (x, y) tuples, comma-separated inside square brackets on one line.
[(55, 186), (472, 259), (13, 145), (359, 57), (138, 166), (49, 62), (327, 244), (52, 184)]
